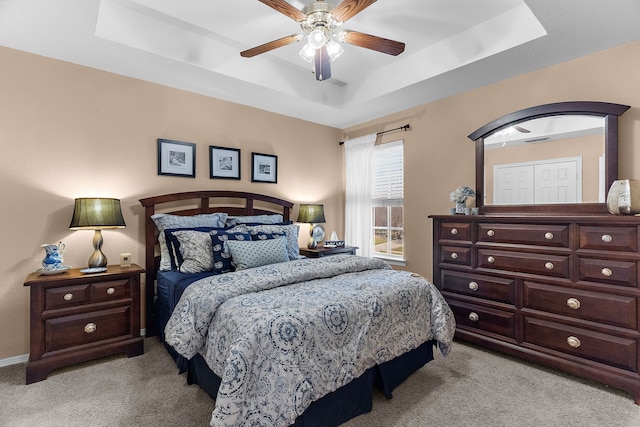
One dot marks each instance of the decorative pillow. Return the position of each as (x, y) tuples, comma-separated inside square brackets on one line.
[(249, 254), (164, 221), (253, 219), (222, 260), (173, 244), (291, 232), (265, 236), (193, 251)]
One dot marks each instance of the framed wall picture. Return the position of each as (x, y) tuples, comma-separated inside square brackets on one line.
[(224, 163), (264, 168), (176, 158)]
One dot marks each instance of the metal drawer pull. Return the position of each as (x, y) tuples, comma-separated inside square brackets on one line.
[(454, 255), (606, 238), (111, 291), (607, 272), (573, 303), (491, 260), (548, 266), (548, 236), (491, 233), (473, 316), (573, 341), (454, 231), (473, 286), (68, 297), (90, 327)]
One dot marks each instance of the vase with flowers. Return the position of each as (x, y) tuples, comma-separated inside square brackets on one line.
[(460, 195)]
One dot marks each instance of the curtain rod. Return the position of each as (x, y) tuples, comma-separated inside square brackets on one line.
[(405, 128)]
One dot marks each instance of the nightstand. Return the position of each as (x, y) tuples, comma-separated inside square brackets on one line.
[(320, 251), (77, 317)]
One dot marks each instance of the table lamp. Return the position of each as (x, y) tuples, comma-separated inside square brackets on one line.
[(97, 214), (313, 214)]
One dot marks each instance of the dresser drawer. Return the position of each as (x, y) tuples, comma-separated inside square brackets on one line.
[(603, 348), (623, 273), (108, 291), (66, 296), (493, 288), (456, 255), (613, 310), (69, 331), (483, 318), (523, 262), (455, 231), (609, 238), (525, 234)]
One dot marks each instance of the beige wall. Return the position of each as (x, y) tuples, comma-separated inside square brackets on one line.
[(68, 131), (439, 157)]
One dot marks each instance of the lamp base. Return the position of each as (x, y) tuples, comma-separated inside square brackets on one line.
[(97, 258), (317, 235)]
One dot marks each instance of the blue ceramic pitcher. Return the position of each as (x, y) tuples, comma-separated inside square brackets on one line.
[(53, 257)]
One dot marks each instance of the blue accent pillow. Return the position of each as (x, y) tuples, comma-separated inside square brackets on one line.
[(222, 260), (256, 253), (173, 243), (265, 236)]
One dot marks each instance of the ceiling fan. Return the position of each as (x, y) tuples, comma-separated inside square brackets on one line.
[(321, 23)]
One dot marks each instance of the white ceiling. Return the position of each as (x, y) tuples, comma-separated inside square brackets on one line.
[(451, 46)]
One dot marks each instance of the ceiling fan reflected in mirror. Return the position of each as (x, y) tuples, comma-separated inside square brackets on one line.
[(321, 23)]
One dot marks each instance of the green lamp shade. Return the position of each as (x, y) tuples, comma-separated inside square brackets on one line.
[(97, 213), (312, 214)]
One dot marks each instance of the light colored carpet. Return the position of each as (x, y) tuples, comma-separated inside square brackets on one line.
[(469, 387)]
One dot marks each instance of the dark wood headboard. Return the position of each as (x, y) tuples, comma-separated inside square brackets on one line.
[(230, 202)]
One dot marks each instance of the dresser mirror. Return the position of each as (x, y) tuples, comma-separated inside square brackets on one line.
[(559, 157)]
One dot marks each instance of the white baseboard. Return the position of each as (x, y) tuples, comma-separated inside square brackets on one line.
[(25, 357)]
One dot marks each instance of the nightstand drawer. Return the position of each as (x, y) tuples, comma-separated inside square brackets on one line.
[(66, 296), (70, 331), (603, 348), (108, 291), (615, 310)]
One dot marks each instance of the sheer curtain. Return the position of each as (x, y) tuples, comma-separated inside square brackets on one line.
[(357, 212)]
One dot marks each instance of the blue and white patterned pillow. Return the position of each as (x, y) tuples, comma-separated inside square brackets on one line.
[(249, 254), (265, 236), (193, 251), (222, 261), (253, 219), (164, 221), (173, 244), (290, 231)]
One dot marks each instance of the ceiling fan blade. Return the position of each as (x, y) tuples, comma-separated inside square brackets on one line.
[(250, 53), (390, 47), (322, 64), (349, 8), (521, 129), (286, 9)]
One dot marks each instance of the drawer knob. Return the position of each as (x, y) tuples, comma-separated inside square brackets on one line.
[(491, 260), (491, 233), (454, 231), (111, 291), (548, 236), (473, 286), (607, 238), (573, 303), (607, 272), (68, 297), (573, 341), (548, 265), (473, 316), (454, 256), (90, 328)]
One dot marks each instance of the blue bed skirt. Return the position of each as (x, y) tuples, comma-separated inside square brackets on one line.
[(347, 402)]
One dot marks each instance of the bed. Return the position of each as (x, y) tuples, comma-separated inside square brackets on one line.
[(277, 339)]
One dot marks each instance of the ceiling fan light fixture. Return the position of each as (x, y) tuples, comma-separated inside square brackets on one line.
[(317, 38), (334, 50), (307, 52)]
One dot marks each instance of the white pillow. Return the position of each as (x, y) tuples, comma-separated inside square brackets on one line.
[(165, 221), (255, 253)]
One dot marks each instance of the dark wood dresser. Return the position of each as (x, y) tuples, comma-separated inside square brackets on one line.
[(77, 317), (557, 290)]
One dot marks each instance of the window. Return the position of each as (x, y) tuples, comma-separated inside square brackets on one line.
[(388, 201)]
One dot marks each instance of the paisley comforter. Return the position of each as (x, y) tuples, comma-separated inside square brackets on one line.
[(284, 335)]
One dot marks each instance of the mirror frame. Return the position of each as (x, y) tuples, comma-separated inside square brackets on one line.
[(610, 112)]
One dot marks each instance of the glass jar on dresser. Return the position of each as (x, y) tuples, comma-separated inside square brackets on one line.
[(559, 290)]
